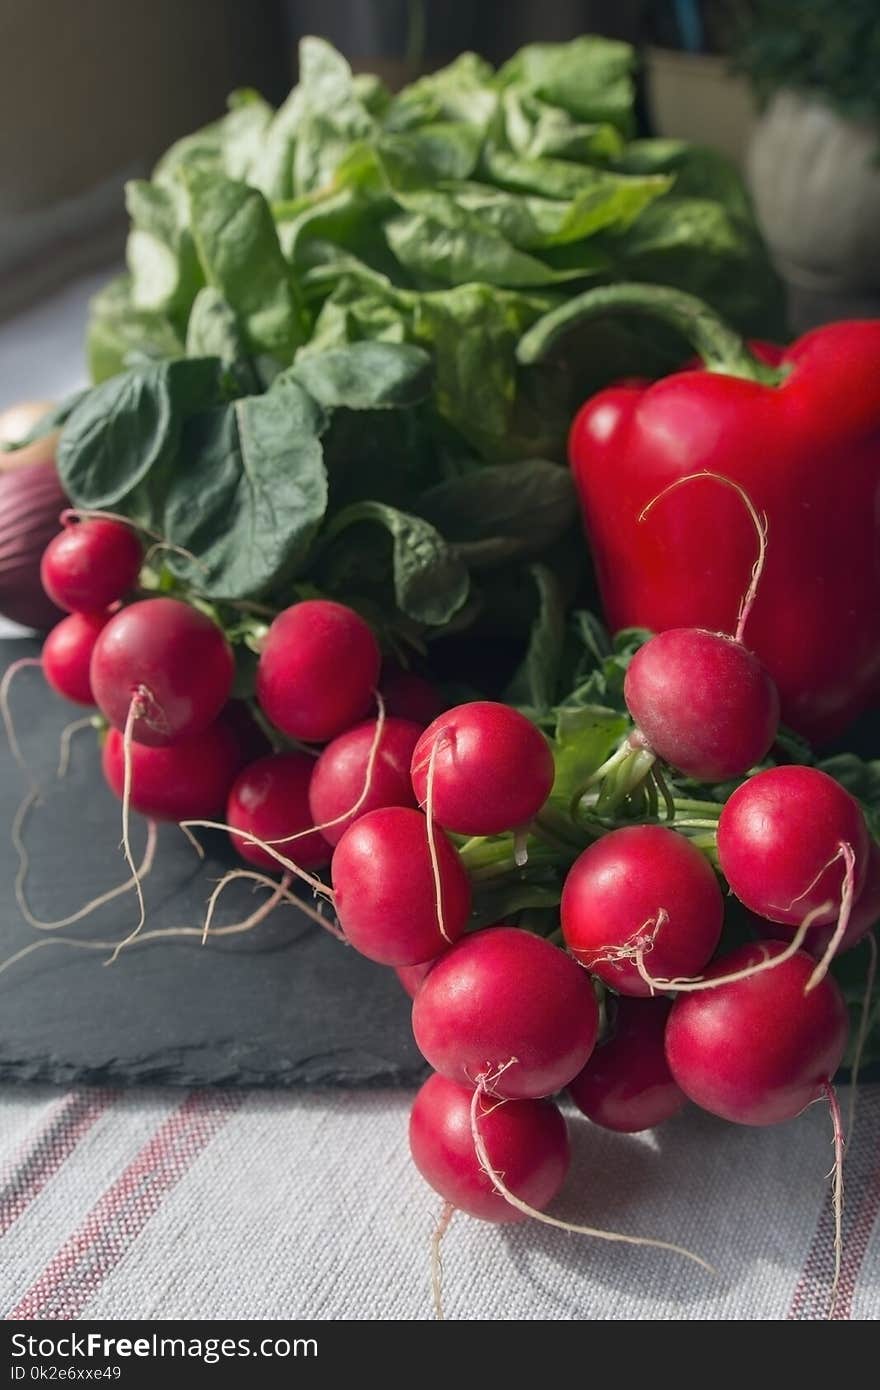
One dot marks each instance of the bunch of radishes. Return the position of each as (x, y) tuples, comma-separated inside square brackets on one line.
[(506, 1018)]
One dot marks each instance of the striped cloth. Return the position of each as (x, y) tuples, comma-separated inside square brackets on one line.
[(234, 1204)]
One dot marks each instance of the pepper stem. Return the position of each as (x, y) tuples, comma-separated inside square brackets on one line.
[(719, 346)]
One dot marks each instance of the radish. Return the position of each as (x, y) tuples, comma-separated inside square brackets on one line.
[(482, 769), (408, 696), (91, 564), (864, 915), (527, 1141), (385, 888), (627, 1085), (67, 654), (641, 896), (411, 976), (510, 1007), (792, 841), (163, 669), (251, 739), (318, 668), (354, 775), (269, 800), (483, 1154), (700, 700), (188, 779), (759, 1050), (703, 703)]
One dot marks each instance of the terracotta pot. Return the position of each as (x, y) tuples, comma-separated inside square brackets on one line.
[(815, 180)]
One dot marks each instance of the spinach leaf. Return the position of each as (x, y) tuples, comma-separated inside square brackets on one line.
[(472, 331), (696, 245), (252, 496), (534, 684), (165, 272), (430, 583), (331, 115), (366, 376), (238, 249), (502, 511), (535, 129), (213, 329), (122, 430), (118, 329), (599, 198), (589, 77), (463, 91), (457, 247)]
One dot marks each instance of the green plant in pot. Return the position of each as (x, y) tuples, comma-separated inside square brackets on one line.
[(814, 161)]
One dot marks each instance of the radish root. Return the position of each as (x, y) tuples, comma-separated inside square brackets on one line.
[(447, 1211), (286, 894), (136, 709), (636, 947), (484, 1088), (365, 790), (432, 842), (8, 676), (231, 929), (692, 984), (139, 874), (193, 840), (68, 734), (759, 521), (836, 1193), (847, 897), (314, 883)]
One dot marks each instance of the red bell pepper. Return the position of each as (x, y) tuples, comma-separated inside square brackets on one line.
[(800, 433)]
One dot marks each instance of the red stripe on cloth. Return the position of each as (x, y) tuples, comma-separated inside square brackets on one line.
[(45, 1152), (106, 1235), (861, 1209)]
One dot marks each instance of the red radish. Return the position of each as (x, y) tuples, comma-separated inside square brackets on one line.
[(527, 1141), (642, 895), (164, 665), (484, 767), (67, 654), (408, 696), (411, 976), (627, 1085), (91, 564), (785, 839), (318, 669), (270, 800), (760, 1050), (250, 737), (510, 1007), (189, 779), (385, 889), (864, 915), (343, 777), (703, 702)]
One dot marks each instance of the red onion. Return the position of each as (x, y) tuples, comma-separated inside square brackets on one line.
[(31, 501)]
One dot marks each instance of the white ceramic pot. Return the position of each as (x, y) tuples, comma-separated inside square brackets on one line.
[(815, 180)]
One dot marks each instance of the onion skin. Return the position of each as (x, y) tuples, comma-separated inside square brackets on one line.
[(31, 501)]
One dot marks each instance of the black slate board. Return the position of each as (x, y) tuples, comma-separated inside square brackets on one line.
[(284, 1005)]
